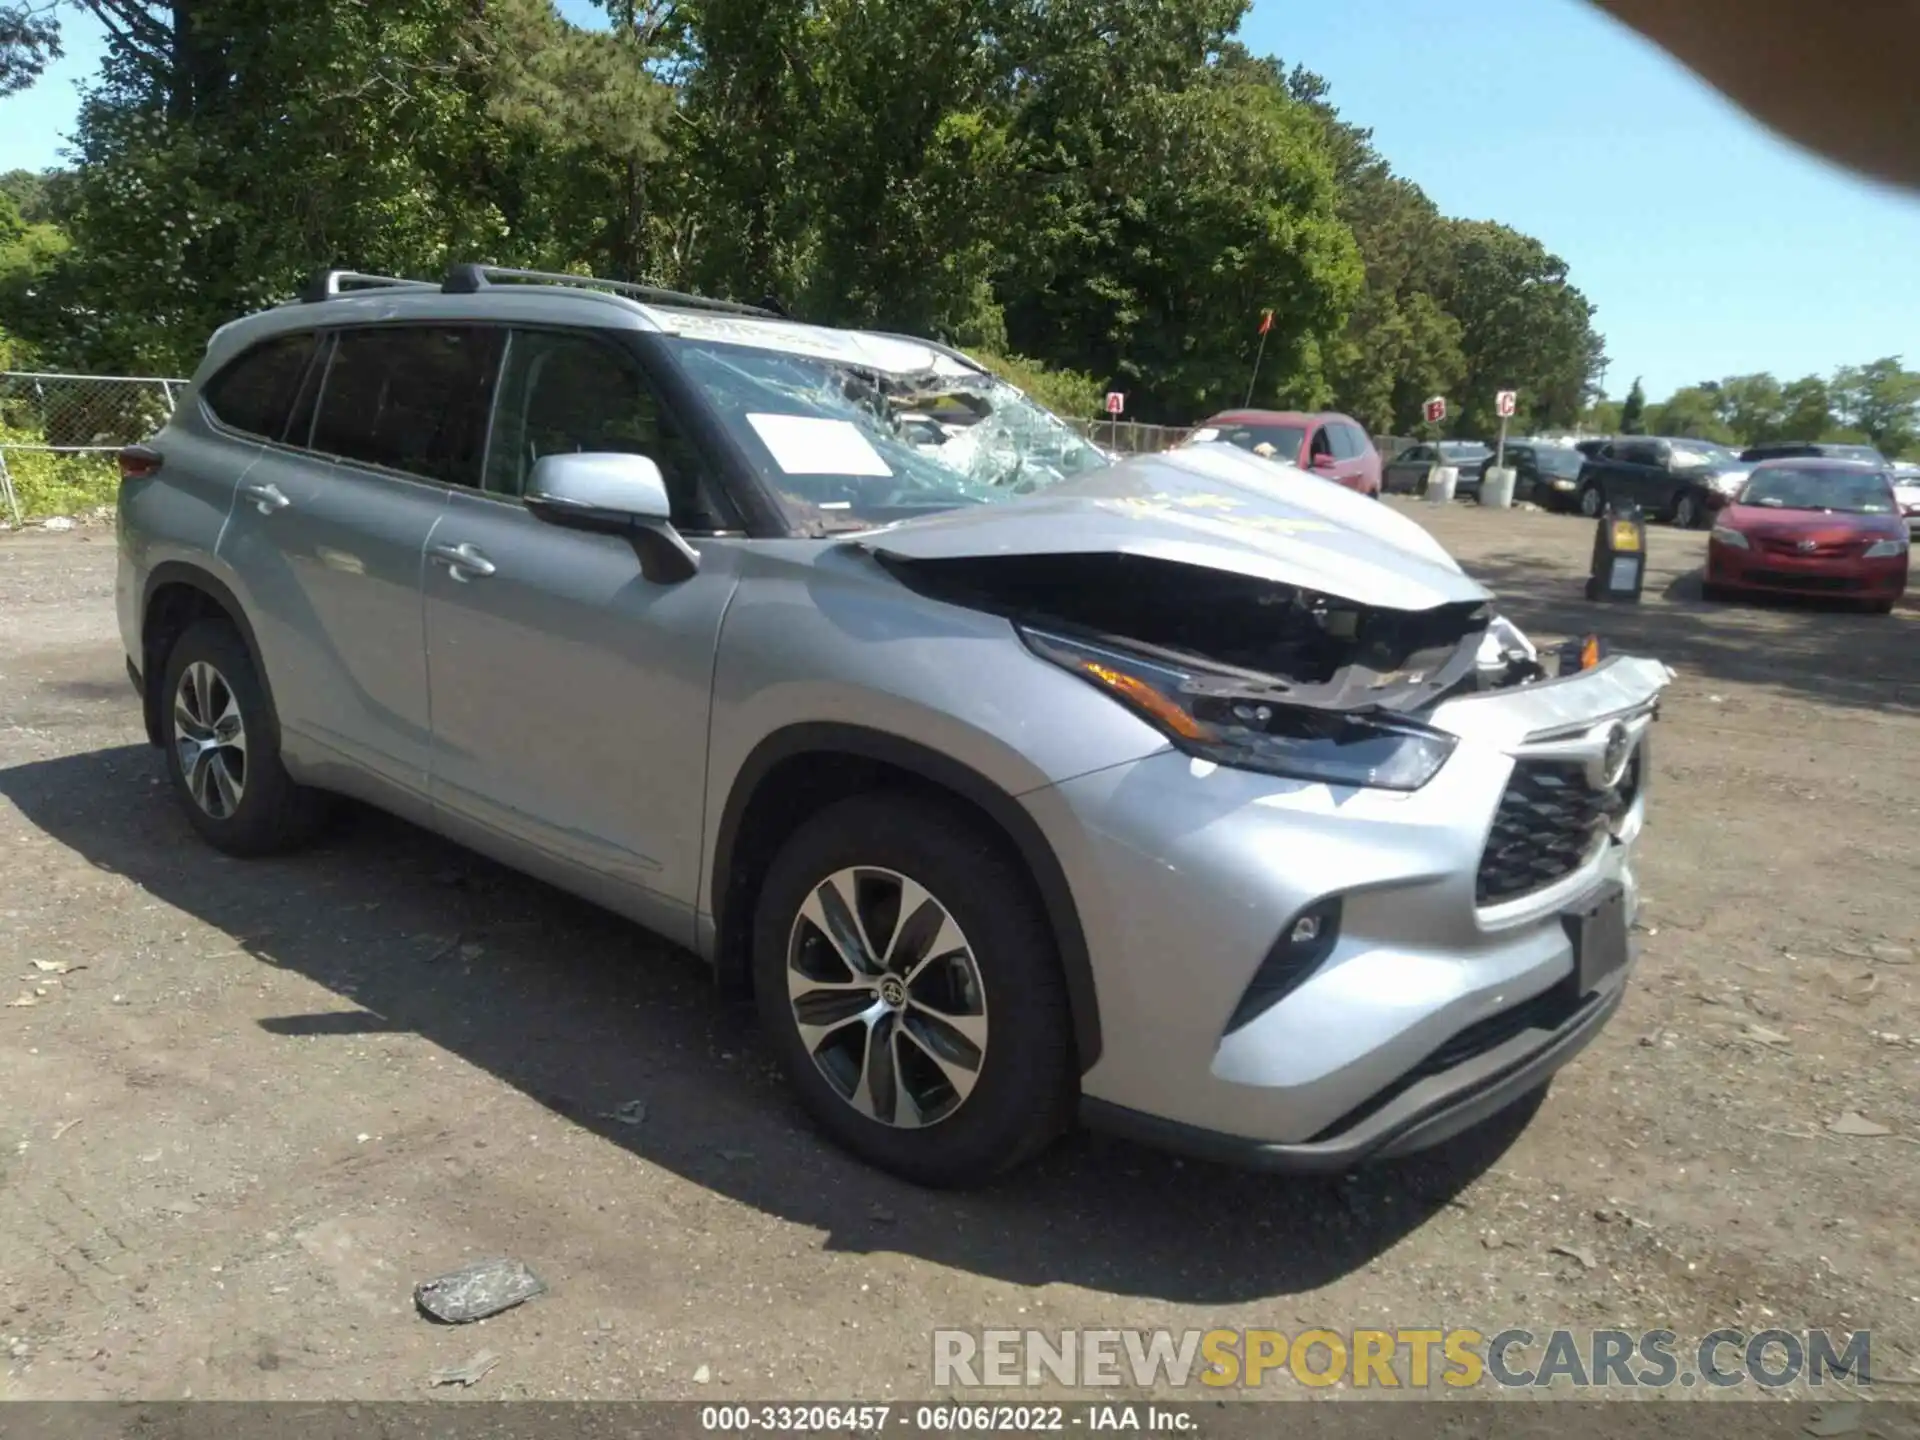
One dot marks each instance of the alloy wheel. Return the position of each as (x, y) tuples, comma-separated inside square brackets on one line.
[(1684, 512), (1591, 501), (887, 997), (210, 738)]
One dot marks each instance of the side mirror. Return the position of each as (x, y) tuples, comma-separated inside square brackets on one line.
[(1323, 462), (614, 494)]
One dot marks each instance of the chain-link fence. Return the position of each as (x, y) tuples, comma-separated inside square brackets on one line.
[(59, 435), (1127, 437), (1130, 437)]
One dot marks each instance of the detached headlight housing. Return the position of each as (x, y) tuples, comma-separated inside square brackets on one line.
[(1231, 721), (1722, 535), (1887, 549)]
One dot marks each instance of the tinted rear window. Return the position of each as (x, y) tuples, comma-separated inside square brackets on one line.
[(412, 398), (255, 393)]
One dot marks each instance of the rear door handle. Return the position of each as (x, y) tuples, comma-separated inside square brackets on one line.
[(463, 561), (266, 498)]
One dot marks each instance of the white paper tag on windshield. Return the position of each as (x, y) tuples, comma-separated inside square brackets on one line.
[(808, 445)]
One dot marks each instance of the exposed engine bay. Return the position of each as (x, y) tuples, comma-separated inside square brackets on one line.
[(1260, 638)]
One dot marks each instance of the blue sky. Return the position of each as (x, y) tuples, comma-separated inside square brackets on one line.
[(1710, 247)]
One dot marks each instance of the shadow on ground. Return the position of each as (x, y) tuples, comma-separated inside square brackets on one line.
[(583, 1012), (1826, 651)]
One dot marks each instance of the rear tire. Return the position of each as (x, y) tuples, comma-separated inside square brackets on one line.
[(946, 1072), (223, 749), (1880, 607)]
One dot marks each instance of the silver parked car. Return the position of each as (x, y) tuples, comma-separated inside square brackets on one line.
[(1189, 794)]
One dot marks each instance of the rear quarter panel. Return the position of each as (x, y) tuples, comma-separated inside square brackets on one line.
[(175, 516)]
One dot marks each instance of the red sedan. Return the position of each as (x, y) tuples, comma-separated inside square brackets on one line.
[(1811, 527), (1335, 447)]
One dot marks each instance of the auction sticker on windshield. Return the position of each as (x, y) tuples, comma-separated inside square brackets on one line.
[(809, 445)]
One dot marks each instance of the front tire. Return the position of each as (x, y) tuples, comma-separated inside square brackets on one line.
[(223, 749), (1686, 512), (1593, 500), (906, 974)]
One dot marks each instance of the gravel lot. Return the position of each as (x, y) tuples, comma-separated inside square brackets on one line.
[(249, 1105)]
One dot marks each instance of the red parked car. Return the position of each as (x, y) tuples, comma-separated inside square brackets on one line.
[(1812, 527), (1336, 447)]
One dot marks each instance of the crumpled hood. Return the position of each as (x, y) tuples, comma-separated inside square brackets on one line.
[(1213, 506)]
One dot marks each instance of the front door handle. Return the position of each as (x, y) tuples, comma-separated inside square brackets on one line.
[(266, 497), (464, 562)]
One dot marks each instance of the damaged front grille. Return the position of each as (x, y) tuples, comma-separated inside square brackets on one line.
[(1549, 824)]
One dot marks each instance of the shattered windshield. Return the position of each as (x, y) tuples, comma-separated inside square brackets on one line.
[(846, 447)]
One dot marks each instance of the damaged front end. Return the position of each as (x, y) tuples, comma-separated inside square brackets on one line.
[(1242, 670)]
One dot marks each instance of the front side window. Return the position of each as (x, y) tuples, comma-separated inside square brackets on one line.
[(1322, 443), (255, 393), (1350, 442), (841, 447), (567, 393), (410, 398)]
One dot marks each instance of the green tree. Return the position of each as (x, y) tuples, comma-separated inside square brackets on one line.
[(1806, 411), (1602, 417), (1692, 413), (1399, 345), (1881, 400), (1633, 410), (29, 41), (1752, 407), (1169, 191), (232, 146), (1523, 327)]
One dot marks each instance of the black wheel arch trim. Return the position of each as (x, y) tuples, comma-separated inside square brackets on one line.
[(830, 738), (181, 572)]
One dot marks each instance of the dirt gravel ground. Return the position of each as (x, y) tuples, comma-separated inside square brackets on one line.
[(248, 1106)]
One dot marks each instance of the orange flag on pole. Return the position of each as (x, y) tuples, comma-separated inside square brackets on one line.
[(1266, 321)]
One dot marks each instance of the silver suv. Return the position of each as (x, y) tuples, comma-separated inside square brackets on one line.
[(1188, 795)]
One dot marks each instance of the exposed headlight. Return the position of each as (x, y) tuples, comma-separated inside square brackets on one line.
[(1886, 549), (1201, 713), (1730, 537)]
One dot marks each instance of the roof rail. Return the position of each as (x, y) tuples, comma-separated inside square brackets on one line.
[(471, 279), (331, 284)]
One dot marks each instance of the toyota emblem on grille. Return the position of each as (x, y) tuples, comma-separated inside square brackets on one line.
[(1612, 766), (1807, 547)]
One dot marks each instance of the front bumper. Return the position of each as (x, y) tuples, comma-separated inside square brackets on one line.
[(1429, 1110), (1436, 1006), (1766, 572)]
